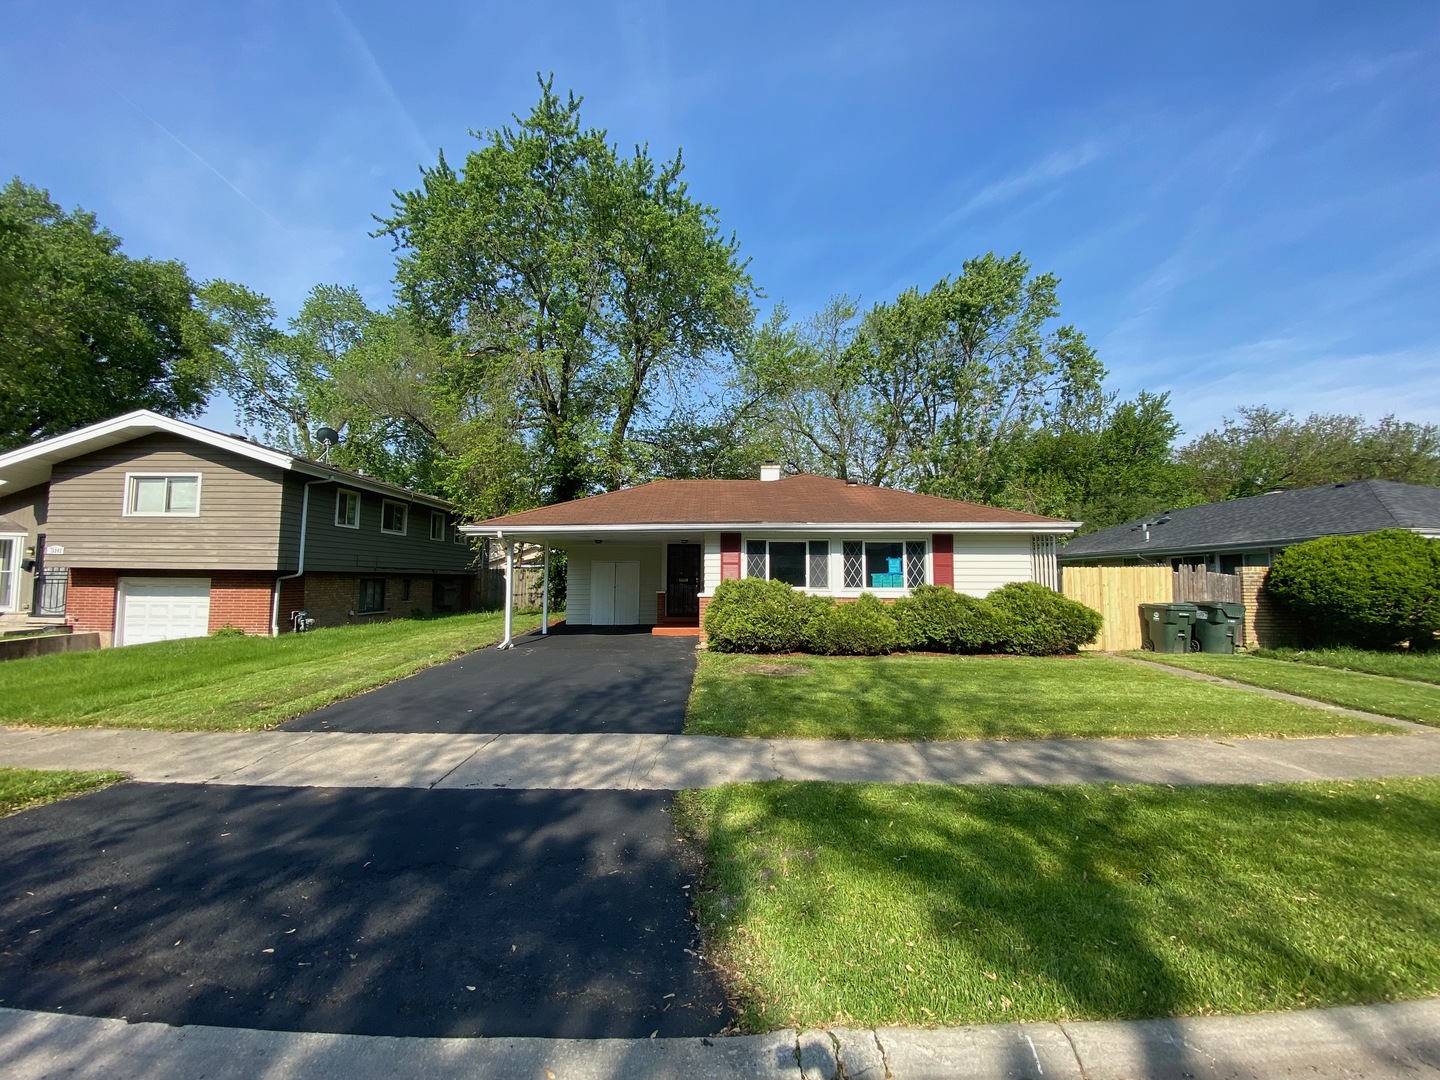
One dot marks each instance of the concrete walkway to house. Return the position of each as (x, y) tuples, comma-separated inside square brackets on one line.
[(640, 762), (1381, 1042)]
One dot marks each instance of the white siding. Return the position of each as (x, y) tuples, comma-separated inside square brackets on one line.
[(577, 586), (984, 563), (711, 563)]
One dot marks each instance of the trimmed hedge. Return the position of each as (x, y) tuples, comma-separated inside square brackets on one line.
[(752, 615), (935, 618), (1036, 621), (862, 627), (1375, 591)]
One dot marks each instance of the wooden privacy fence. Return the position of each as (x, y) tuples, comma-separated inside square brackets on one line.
[(1197, 583), (1117, 593)]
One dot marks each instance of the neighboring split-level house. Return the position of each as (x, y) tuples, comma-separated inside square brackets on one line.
[(145, 528), (653, 554)]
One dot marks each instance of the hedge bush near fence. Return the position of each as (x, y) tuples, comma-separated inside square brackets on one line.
[(753, 615), (1375, 591)]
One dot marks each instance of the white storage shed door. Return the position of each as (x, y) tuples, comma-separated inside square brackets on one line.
[(159, 609), (614, 593)]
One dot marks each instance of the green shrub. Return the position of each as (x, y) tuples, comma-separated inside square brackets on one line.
[(1036, 621), (936, 618), (860, 627), (1372, 591), (753, 615), (228, 631)]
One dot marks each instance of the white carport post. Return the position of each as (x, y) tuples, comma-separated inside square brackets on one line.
[(545, 595), (507, 643)]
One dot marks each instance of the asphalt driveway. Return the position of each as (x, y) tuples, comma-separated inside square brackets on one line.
[(568, 682), (384, 912)]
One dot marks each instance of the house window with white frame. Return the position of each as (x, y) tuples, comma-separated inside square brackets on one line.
[(393, 517), (437, 526), (155, 495), (347, 509), (883, 564), (805, 564)]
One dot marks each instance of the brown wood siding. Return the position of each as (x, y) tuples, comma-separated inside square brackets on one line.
[(334, 549), (238, 526)]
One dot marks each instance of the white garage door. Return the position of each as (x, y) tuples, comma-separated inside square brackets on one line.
[(158, 609)]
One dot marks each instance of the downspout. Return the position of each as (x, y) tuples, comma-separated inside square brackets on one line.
[(545, 596), (507, 642), (299, 560)]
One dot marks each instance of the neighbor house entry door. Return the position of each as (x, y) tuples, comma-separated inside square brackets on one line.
[(614, 593)]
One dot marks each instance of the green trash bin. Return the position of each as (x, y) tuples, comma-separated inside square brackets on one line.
[(1217, 625), (1168, 627)]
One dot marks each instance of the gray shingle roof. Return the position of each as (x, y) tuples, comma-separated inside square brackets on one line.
[(1274, 520)]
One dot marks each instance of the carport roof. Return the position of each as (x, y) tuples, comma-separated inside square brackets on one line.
[(802, 499)]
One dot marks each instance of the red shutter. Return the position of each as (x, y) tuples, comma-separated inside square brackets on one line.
[(729, 556), (942, 550)]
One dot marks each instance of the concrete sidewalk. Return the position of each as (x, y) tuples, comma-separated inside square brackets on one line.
[(1383, 1042), (676, 762)]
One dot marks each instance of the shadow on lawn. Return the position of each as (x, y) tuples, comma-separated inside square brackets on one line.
[(1128, 903)]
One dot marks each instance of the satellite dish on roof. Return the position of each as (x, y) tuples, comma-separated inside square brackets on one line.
[(328, 437)]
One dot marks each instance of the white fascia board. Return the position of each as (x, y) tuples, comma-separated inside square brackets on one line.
[(133, 425), (857, 528)]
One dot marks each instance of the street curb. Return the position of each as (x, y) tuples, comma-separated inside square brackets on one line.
[(1376, 1042)]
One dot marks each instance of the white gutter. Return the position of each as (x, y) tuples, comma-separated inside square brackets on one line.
[(300, 559), (857, 528)]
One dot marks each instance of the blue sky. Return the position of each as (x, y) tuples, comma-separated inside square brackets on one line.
[(1242, 200)]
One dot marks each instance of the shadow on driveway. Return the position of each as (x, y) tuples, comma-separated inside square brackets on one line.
[(569, 682), (365, 911)]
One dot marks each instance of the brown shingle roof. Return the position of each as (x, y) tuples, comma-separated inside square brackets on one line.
[(793, 499)]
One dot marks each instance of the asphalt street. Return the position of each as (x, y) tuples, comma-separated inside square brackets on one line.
[(366, 911)]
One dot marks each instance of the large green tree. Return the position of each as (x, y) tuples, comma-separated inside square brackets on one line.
[(588, 280), (938, 391), (87, 332), (1261, 449)]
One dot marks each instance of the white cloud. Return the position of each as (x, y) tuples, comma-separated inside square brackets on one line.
[(1044, 173)]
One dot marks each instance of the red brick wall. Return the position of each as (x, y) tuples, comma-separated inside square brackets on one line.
[(90, 599), (241, 598), (292, 598)]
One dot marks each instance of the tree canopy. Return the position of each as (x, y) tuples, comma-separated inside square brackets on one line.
[(569, 318), (585, 279), (87, 332)]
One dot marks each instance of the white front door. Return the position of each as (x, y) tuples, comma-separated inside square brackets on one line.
[(10, 571), (161, 609), (614, 593)]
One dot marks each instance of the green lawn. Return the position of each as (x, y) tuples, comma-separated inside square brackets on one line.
[(968, 697), (233, 684), (873, 904), (1420, 666), (21, 789), (1353, 690)]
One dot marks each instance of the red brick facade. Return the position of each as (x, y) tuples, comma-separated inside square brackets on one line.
[(90, 600), (244, 598), (241, 598)]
